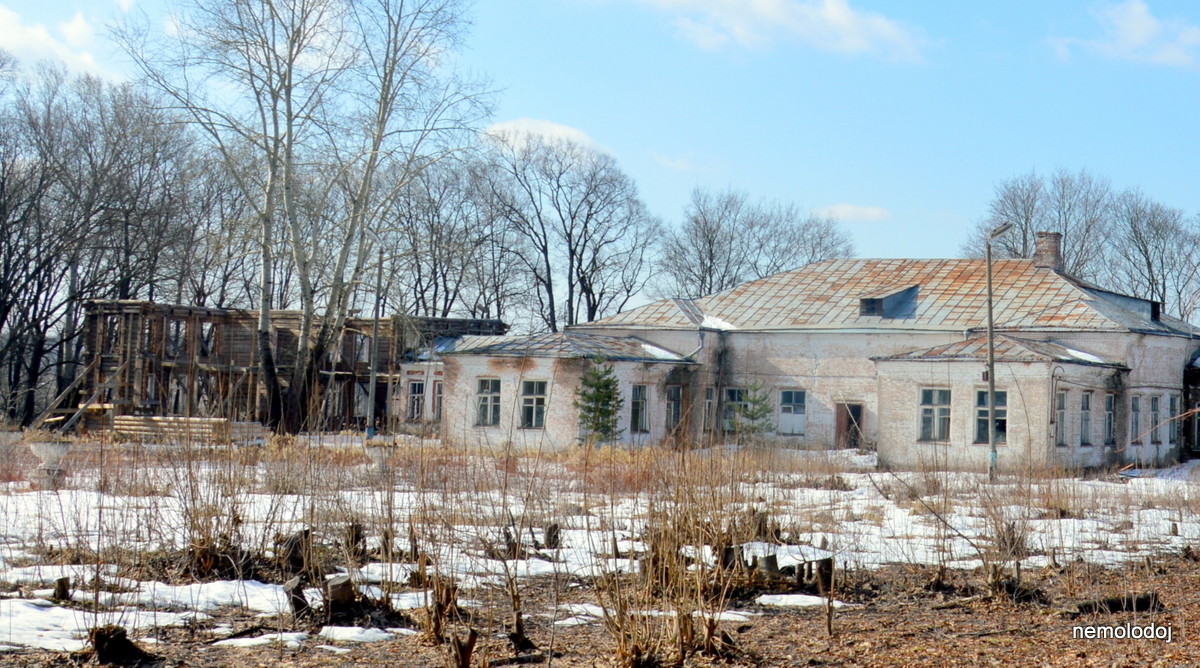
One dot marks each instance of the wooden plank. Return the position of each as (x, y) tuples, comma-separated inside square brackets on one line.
[(63, 395)]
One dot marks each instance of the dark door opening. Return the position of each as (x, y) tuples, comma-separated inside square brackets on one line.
[(849, 425)]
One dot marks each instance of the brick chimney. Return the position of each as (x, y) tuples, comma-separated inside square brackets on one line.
[(1047, 251)]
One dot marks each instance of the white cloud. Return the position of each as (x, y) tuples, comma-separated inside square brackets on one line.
[(1133, 33), (78, 32), (32, 42), (518, 130), (677, 164), (829, 25), (854, 213), (125, 5)]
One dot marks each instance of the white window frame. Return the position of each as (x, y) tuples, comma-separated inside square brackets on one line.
[(981, 416), (1060, 418), (639, 405), (533, 404), (1110, 418), (733, 399), (416, 400), (1135, 419), (438, 386), (793, 415), (1085, 419), (937, 412), (487, 402), (1155, 419)]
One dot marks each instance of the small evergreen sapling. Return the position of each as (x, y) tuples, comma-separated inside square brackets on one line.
[(753, 415), (599, 402)]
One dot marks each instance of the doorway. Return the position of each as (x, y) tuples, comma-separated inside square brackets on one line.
[(849, 425)]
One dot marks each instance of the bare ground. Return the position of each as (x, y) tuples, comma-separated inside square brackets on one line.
[(901, 617)]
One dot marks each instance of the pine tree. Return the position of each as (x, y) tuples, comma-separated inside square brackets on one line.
[(752, 416), (599, 402)]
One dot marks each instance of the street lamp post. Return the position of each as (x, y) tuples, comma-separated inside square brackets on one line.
[(993, 456)]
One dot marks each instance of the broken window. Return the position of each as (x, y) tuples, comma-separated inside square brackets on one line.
[(416, 400), (674, 397), (935, 415), (735, 399), (981, 416), (487, 403), (890, 302)]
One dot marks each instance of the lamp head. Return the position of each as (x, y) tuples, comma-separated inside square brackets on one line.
[(999, 231)]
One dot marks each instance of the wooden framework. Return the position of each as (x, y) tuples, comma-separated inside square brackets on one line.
[(148, 359)]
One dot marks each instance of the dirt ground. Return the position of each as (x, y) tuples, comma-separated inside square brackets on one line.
[(901, 616)]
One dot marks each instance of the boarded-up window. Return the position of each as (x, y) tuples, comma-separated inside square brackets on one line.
[(792, 418)]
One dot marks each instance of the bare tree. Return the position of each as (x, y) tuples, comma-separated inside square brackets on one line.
[(1153, 253), (726, 240), (586, 237), (88, 176), (308, 102), (1077, 205)]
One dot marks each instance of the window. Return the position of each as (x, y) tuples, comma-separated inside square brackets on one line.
[(1085, 418), (1135, 419), (1173, 415), (416, 400), (487, 403), (1060, 418), (935, 415), (437, 400), (533, 404), (709, 411), (1155, 416), (674, 406), (639, 421), (1110, 410), (791, 412), (981, 416), (735, 398)]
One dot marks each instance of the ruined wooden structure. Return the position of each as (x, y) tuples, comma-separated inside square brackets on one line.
[(157, 360)]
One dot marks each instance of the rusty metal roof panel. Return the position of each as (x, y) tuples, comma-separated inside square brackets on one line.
[(571, 345), (1008, 349), (950, 294)]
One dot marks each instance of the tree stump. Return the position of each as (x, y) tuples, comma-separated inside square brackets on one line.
[(340, 594), (553, 536), (62, 589), (294, 589), (768, 565)]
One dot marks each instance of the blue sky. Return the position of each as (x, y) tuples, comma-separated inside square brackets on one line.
[(898, 117)]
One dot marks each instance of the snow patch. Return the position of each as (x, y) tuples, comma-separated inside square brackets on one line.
[(795, 601), (354, 634)]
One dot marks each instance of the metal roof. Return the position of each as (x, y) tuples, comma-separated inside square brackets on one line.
[(1008, 349), (569, 345), (951, 295)]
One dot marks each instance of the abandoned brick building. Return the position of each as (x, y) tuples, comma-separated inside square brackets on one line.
[(886, 354)]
